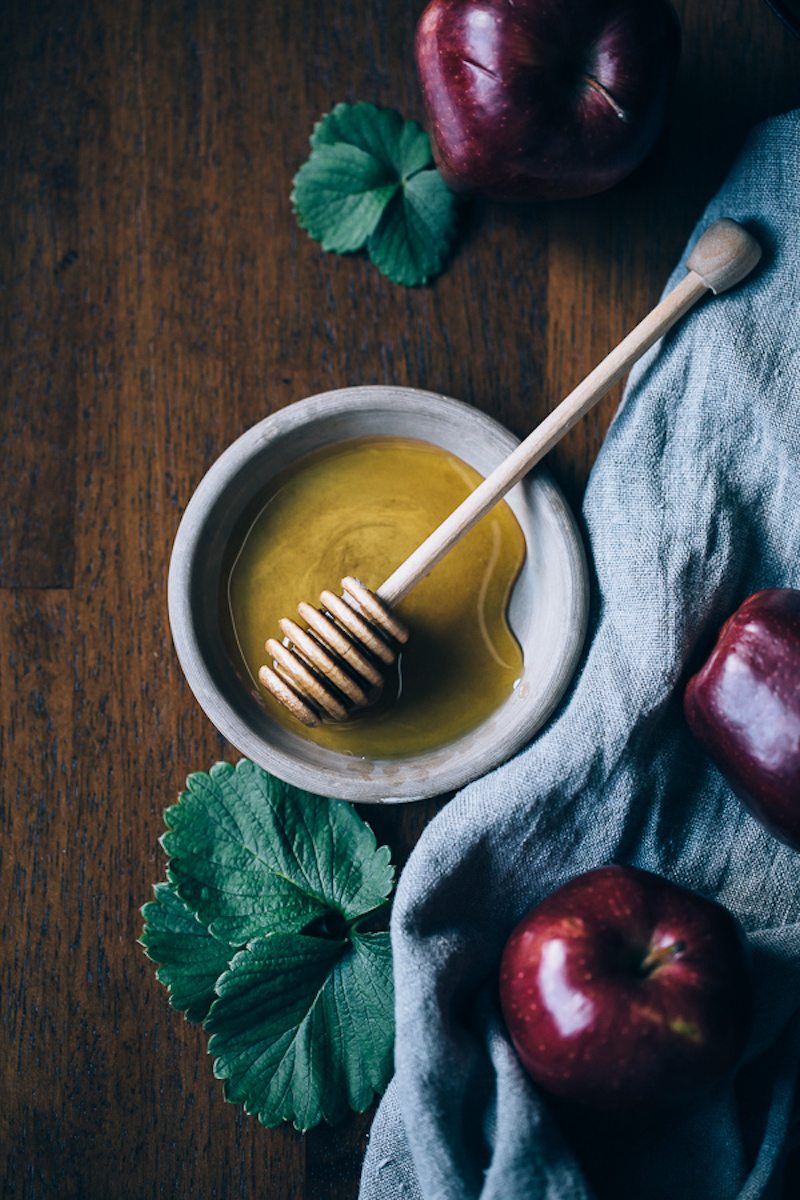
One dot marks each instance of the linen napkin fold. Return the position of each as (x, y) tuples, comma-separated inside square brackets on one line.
[(693, 504)]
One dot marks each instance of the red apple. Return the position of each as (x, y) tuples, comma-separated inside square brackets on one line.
[(532, 99), (621, 989), (743, 706)]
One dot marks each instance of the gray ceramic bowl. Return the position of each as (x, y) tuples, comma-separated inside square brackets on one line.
[(547, 612)]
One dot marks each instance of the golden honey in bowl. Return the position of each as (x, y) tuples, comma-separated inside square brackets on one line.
[(359, 508)]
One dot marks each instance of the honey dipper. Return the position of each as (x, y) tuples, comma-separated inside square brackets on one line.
[(335, 664)]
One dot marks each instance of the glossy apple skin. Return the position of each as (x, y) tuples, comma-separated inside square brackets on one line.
[(541, 99), (743, 706), (596, 1020)]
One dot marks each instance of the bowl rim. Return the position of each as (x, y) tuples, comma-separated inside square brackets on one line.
[(390, 780)]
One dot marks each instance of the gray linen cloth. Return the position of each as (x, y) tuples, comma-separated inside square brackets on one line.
[(693, 504)]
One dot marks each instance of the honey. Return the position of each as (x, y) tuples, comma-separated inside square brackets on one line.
[(359, 508)]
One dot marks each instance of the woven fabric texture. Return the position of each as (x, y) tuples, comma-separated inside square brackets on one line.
[(693, 504)]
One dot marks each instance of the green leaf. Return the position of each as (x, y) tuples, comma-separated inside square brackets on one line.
[(401, 147), (302, 1023), (414, 153), (303, 1027), (374, 130), (412, 241), (340, 195), (370, 181), (190, 959), (252, 855)]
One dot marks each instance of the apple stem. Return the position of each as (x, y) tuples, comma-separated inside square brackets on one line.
[(597, 87), (657, 958)]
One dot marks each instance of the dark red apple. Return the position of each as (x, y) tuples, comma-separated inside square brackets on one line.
[(743, 706), (533, 99), (621, 989)]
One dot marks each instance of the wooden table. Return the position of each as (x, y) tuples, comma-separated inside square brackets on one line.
[(158, 298)]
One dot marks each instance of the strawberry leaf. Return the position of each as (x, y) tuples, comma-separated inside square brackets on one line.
[(301, 1018), (252, 855), (303, 1027), (190, 959), (340, 195), (413, 238), (370, 181)]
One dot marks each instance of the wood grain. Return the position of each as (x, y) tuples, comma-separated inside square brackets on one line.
[(157, 299)]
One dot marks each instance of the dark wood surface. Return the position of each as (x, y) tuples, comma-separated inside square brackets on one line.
[(157, 299)]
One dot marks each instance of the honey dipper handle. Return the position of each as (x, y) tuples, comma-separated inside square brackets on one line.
[(724, 254)]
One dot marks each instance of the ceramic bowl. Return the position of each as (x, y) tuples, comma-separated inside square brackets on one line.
[(547, 612)]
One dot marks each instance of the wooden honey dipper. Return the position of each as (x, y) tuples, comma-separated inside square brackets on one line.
[(335, 665)]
